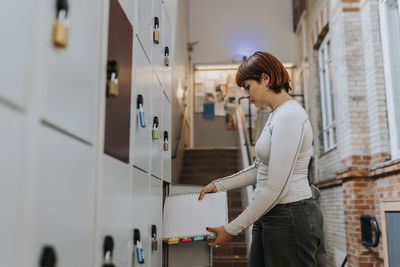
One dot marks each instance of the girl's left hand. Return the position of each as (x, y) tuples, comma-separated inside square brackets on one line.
[(223, 236)]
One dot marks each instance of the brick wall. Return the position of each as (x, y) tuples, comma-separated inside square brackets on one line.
[(374, 77), (358, 174), (335, 239), (364, 189)]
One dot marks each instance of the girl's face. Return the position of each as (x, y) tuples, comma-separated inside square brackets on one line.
[(257, 91)]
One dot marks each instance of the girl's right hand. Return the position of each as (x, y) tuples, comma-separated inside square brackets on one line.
[(210, 188)]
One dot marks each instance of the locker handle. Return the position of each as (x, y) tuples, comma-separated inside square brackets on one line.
[(48, 257), (62, 5), (112, 67), (108, 247), (139, 101), (155, 122), (166, 51), (154, 243), (156, 23), (165, 135)]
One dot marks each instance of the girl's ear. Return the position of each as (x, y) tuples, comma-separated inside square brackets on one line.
[(265, 77)]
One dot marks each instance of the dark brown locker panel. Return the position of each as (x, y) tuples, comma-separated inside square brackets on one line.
[(118, 91)]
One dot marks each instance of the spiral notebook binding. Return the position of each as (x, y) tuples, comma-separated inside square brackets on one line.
[(190, 194)]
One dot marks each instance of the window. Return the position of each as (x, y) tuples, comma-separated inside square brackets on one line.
[(390, 34), (328, 114)]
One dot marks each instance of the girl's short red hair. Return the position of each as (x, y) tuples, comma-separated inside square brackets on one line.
[(263, 62)]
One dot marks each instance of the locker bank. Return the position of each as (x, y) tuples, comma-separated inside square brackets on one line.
[(85, 114), (108, 107)]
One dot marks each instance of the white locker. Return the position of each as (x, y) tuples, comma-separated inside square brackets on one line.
[(156, 219), (140, 213), (167, 127), (167, 42), (64, 183), (156, 145), (16, 28), (115, 206), (142, 136), (12, 184), (145, 25), (128, 6), (70, 77), (157, 52)]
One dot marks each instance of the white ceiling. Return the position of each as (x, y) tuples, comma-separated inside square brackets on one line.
[(227, 30)]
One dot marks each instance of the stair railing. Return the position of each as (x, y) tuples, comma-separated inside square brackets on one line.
[(247, 156), (181, 132)]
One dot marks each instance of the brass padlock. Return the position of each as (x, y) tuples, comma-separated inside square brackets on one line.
[(166, 145), (166, 58), (113, 88), (112, 78), (60, 35), (156, 33)]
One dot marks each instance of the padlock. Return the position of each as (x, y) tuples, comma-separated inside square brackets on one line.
[(155, 131), (165, 141), (112, 78), (60, 34), (141, 112), (166, 58), (156, 32), (138, 245), (112, 86)]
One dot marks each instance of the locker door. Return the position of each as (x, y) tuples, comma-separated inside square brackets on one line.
[(115, 207), (156, 219), (64, 197), (167, 40), (145, 27), (16, 28), (142, 135), (167, 128), (157, 58), (156, 145), (128, 7), (119, 83), (70, 77), (11, 185), (140, 214)]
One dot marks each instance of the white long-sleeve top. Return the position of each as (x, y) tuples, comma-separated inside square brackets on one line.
[(283, 152)]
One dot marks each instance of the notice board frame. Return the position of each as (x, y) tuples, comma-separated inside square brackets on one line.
[(387, 205)]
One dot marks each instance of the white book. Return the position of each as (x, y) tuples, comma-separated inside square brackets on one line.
[(186, 216)]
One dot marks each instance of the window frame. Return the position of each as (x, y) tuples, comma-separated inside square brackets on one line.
[(387, 66), (328, 118)]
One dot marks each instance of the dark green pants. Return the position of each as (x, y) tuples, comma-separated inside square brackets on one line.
[(289, 235)]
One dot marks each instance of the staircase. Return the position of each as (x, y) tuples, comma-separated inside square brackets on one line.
[(200, 167)]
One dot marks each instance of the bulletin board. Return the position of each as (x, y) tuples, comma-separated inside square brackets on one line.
[(214, 85)]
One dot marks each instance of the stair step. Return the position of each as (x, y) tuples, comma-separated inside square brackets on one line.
[(239, 238), (229, 258), (241, 263), (239, 248), (234, 203)]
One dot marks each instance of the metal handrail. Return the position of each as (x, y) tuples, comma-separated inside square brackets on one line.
[(175, 155), (249, 128)]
